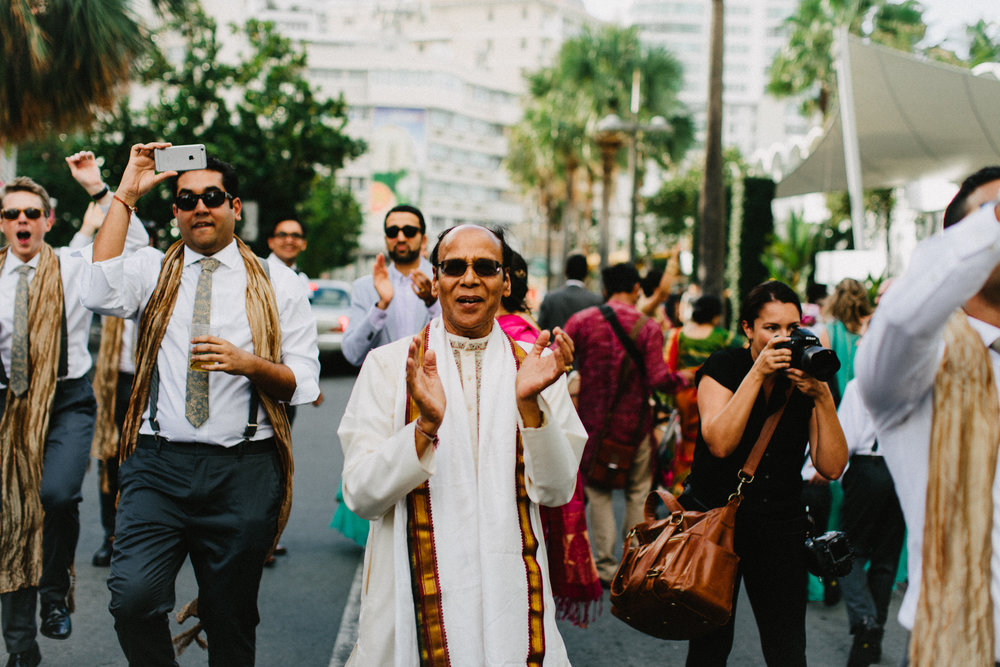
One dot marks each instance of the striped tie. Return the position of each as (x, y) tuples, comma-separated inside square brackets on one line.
[(196, 389), (19, 339)]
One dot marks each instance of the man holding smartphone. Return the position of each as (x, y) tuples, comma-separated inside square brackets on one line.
[(396, 300), (206, 453)]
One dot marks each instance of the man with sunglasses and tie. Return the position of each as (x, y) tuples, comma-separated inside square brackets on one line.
[(206, 453), (396, 300), (461, 420), (48, 413)]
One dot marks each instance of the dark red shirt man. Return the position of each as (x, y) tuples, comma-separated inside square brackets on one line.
[(600, 355)]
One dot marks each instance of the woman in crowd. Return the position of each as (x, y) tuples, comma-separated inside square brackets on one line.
[(737, 390), (686, 350), (575, 585), (850, 309)]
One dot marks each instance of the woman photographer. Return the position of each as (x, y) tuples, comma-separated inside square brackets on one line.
[(737, 390)]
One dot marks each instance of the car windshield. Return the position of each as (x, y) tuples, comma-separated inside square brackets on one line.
[(332, 297)]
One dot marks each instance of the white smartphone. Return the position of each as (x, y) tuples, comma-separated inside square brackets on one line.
[(180, 158)]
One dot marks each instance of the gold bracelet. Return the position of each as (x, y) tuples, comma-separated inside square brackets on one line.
[(432, 438), (131, 209)]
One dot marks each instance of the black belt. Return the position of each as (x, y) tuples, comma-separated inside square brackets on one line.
[(867, 457), (204, 449)]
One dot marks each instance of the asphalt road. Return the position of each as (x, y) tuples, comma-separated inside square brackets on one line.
[(303, 598)]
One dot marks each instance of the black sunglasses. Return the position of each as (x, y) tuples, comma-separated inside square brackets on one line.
[(484, 268), (288, 235), (29, 213), (409, 231), (212, 198)]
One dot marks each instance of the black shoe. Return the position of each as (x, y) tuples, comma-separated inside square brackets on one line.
[(28, 658), (831, 591), (55, 621), (867, 647), (280, 550), (102, 557)]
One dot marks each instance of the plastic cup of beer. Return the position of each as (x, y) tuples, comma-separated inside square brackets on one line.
[(199, 329)]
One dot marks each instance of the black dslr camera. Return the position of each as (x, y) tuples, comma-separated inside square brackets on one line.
[(830, 554), (809, 356)]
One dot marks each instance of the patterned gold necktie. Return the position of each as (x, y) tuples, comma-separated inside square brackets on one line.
[(196, 389), (19, 339)]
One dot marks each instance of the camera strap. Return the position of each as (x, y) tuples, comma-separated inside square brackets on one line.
[(766, 432)]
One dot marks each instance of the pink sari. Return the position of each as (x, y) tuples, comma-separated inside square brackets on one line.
[(575, 585)]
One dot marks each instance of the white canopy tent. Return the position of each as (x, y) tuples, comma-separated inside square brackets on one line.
[(912, 118)]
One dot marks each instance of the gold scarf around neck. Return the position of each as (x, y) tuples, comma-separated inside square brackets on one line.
[(265, 330), (23, 430), (954, 619)]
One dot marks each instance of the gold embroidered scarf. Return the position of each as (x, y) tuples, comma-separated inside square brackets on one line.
[(23, 430), (104, 446), (954, 619)]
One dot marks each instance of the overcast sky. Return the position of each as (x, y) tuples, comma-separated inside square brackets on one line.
[(945, 18)]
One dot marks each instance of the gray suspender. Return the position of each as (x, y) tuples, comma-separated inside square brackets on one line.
[(154, 388)]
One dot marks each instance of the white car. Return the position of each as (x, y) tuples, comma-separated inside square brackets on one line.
[(331, 305)]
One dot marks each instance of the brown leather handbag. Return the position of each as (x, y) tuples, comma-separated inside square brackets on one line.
[(677, 577)]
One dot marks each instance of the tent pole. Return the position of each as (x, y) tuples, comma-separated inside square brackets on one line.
[(849, 127)]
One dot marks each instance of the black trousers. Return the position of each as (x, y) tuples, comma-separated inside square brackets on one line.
[(874, 524), (773, 570), (109, 498), (218, 506), (64, 464)]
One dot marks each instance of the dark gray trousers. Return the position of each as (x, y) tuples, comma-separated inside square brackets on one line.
[(64, 464), (217, 506), (123, 391)]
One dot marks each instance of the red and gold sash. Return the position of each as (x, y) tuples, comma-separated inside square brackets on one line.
[(431, 636)]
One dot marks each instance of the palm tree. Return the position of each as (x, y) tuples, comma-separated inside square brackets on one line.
[(61, 61), (711, 203), (591, 78)]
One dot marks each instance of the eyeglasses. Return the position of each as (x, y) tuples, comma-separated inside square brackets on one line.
[(212, 198), (484, 268), (409, 231), (29, 213), (289, 235)]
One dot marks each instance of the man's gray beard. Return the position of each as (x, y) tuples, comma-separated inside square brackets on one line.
[(404, 258)]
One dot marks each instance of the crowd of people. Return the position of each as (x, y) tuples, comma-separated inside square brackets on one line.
[(470, 417)]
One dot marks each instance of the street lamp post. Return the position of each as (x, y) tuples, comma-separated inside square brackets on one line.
[(609, 140), (612, 125)]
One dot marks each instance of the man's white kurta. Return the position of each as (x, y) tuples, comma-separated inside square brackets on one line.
[(381, 467)]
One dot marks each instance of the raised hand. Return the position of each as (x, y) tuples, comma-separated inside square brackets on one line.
[(538, 371), (84, 169), (383, 284), (140, 173), (422, 286), (427, 391)]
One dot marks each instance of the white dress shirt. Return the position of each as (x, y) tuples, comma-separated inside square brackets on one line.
[(896, 364), (78, 318), (274, 260), (857, 424), (122, 287)]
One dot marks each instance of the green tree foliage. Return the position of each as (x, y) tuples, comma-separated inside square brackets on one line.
[(334, 219), (259, 114), (591, 78), (63, 60), (984, 42), (791, 253), (805, 65)]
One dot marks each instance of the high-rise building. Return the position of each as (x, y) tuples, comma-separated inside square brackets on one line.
[(431, 86), (754, 33)]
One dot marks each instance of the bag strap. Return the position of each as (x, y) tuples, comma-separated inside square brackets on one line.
[(628, 340), (745, 475)]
